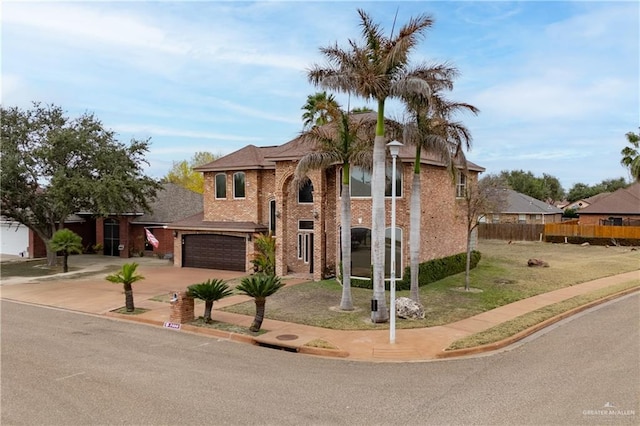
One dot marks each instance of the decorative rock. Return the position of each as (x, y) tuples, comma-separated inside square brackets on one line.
[(585, 244), (407, 308), (537, 262)]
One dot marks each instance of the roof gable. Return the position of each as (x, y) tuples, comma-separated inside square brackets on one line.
[(172, 202), (524, 204), (622, 201), (247, 158)]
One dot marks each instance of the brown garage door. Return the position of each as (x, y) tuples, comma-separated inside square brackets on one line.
[(214, 252)]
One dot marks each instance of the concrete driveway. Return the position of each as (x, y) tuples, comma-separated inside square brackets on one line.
[(85, 289)]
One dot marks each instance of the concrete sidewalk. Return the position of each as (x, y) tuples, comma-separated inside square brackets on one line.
[(91, 293)]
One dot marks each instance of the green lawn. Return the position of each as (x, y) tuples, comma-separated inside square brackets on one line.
[(501, 277)]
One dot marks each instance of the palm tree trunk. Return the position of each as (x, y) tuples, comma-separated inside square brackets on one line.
[(208, 306), (346, 302), (378, 219), (65, 262), (415, 214), (128, 297), (260, 307)]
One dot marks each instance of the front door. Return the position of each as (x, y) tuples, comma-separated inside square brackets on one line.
[(111, 230)]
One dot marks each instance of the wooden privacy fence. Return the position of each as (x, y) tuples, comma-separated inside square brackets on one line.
[(592, 231), (555, 231), (510, 231)]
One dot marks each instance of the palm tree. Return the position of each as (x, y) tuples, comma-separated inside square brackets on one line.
[(346, 140), (209, 291), (126, 276), (264, 260), (259, 287), (66, 241), (318, 109), (631, 155), (376, 70), (431, 132)]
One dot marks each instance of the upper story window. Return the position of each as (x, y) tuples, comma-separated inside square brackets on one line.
[(361, 182), (305, 193), (238, 185), (221, 185), (461, 185)]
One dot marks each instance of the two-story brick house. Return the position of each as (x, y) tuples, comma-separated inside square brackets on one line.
[(250, 191)]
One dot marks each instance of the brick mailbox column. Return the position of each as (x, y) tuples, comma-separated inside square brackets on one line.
[(182, 308)]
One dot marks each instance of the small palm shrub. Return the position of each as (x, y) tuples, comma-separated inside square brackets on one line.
[(67, 242), (259, 287), (209, 291), (126, 276)]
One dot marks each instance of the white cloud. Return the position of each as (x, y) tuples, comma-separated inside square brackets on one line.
[(180, 133)]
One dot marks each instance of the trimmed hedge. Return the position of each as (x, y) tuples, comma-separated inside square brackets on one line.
[(430, 271)]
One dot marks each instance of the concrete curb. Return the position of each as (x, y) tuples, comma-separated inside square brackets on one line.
[(489, 347), (334, 353), (229, 335)]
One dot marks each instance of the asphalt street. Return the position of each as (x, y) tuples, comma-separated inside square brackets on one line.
[(65, 368)]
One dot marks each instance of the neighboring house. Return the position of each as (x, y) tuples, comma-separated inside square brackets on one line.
[(521, 208), (124, 235), (14, 238), (249, 191), (82, 224), (621, 208), (585, 202)]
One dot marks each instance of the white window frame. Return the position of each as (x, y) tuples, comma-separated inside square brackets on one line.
[(388, 174), (522, 218), (304, 246), (461, 185), (244, 189), (215, 186)]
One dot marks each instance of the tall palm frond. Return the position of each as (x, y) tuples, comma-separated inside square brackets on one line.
[(372, 70)]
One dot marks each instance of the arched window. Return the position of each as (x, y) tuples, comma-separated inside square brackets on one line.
[(388, 244), (221, 185), (238, 185), (305, 193), (361, 182), (361, 253)]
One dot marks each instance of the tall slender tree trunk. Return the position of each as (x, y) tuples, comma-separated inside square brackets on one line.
[(346, 303), (208, 306), (257, 320), (468, 263), (415, 215), (128, 297), (378, 219)]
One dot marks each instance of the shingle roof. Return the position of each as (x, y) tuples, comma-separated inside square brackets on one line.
[(197, 223), (172, 202), (524, 204), (253, 157), (248, 158), (622, 201)]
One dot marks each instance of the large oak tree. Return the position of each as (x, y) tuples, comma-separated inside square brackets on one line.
[(54, 166)]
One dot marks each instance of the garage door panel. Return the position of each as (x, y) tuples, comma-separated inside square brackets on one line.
[(214, 252)]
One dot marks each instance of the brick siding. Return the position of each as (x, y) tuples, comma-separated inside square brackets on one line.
[(443, 231)]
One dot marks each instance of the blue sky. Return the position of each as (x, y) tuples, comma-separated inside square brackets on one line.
[(557, 82)]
